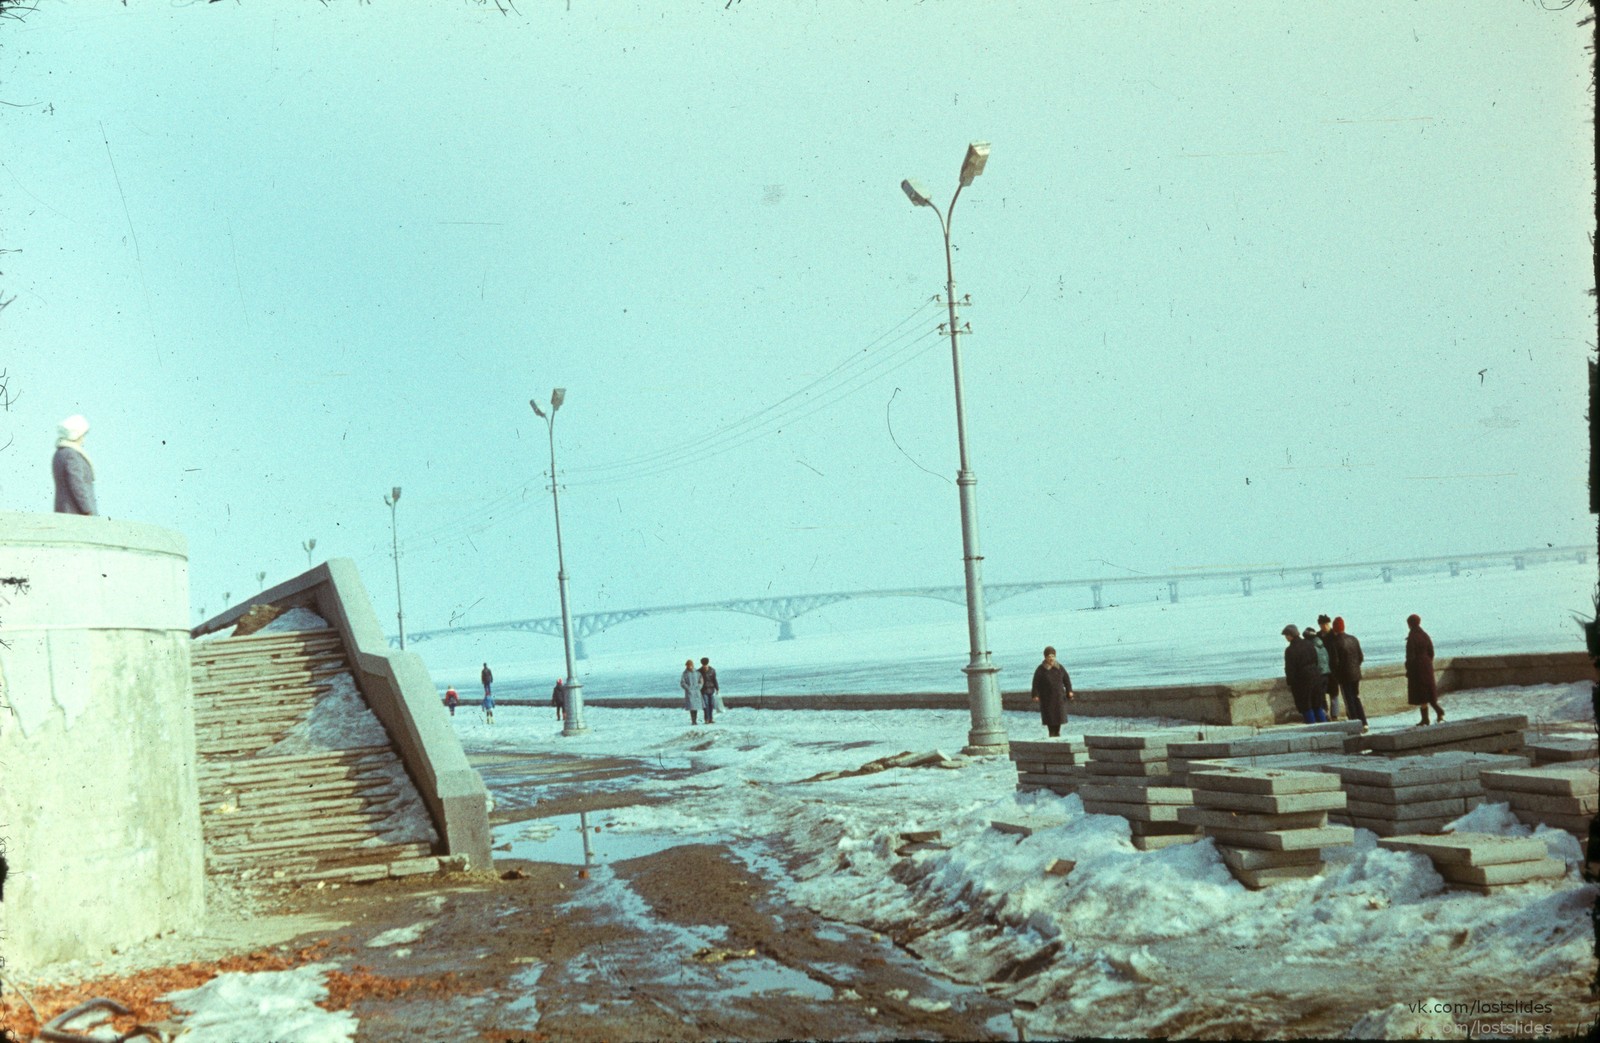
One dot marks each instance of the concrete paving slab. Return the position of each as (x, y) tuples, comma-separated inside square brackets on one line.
[(1270, 803), (1044, 748), (1556, 749), (1469, 849), (1587, 804), (1385, 828), (1452, 807), (1156, 843), (1140, 828), (1180, 795), (1121, 769), (1255, 858), (1561, 780), (1509, 743), (1505, 872), (1256, 879), (1285, 839), (1578, 825), (1141, 756), (1262, 780), (1133, 812), (1449, 730), (1446, 766), (1413, 794), (1215, 818)]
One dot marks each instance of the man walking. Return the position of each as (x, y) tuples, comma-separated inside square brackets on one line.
[(708, 689), (1052, 687), (1348, 675), (1421, 691), (488, 679)]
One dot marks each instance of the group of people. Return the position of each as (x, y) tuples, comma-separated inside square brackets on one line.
[(1322, 665), (452, 698), (700, 692)]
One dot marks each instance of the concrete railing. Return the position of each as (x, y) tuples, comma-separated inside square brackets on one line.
[(398, 688), (1252, 702)]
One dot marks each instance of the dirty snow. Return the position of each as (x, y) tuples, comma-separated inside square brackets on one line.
[(270, 1005), (1149, 940), (296, 619), (339, 720)]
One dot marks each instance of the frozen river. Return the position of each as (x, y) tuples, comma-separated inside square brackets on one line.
[(1200, 639)]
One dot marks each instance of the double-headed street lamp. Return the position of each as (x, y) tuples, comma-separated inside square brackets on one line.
[(574, 688), (394, 537), (988, 734)]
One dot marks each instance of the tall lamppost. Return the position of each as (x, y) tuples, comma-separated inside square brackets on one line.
[(574, 688), (394, 539), (988, 733)]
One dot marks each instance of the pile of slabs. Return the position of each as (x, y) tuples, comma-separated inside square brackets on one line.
[(1151, 811), (1563, 796), (1483, 862), (1500, 733), (1419, 794), (1053, 764), (1270, 825), (1277, 743)]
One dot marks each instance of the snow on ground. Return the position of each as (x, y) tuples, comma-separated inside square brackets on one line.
[(1158, 933), (277, 1005)]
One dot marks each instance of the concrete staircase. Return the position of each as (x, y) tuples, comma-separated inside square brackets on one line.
[(302, 816)]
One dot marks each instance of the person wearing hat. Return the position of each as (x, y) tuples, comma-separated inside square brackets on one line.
[(72, 469), (1318, 693), (1052, 687), (1300, 670), (1421, 691), (1348, 673)]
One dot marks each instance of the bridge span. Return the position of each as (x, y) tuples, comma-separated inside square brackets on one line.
[(785, 609)]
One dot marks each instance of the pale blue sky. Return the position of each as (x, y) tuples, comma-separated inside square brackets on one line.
[(1251, 283)]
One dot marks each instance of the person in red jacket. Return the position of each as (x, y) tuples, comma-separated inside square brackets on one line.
[(452, 700)]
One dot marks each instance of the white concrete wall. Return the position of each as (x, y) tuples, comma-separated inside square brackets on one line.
[(98, 803)]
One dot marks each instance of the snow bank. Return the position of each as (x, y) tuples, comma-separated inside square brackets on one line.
[(270, 1005)]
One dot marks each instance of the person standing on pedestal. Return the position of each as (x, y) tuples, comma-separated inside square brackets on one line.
[(72, 469), (1052, 688)]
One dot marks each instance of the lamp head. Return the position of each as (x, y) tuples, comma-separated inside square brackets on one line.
[(397, 494), (915, 193), (972, 166), (536, 410), (557, 396)]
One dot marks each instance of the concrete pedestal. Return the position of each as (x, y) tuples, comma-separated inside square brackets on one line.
[(98, 803)]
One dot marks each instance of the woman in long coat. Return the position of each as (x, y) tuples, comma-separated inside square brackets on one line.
[(690, 683), (72, 469), (1421, 691), (1052, 687)]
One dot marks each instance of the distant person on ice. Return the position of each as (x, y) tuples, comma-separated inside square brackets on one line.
[(690, 683), (1052, 687), (1421, 691), (558, 699), (488, 679), (1348, 673), (1300, 670), (72, 468), (710, 701), (452, 700), (488, 705)]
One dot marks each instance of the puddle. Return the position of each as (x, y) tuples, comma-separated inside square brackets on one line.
[(765, 977), (583, 839)]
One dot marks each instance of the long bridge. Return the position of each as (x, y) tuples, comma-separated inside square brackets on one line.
[(785, 609)]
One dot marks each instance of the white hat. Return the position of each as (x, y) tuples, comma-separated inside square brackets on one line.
[(73, 427)]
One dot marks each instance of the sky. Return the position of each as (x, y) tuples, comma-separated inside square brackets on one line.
[(1250, 283)]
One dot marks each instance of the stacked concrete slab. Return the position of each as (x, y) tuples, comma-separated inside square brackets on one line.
[(1284, 745), (1127, 767), (1560, 749), (1053, 764), (1270, 825), (1417, 794), (1483, 862), (1563, 796), (1498, 733)]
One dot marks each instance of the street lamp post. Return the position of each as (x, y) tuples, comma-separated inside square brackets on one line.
[(988, 733), (394, 538), (574, 688)]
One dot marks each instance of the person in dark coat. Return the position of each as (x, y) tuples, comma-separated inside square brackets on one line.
[(1421, 691), (1348, 673), (1330, 645), (72, 469), (1318, 685), (709, 701), (1300, 670), (487, 677), (558, 699), (1052, 687)]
